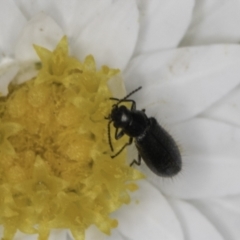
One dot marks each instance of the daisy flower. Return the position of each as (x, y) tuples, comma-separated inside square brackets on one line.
[(192, 91)]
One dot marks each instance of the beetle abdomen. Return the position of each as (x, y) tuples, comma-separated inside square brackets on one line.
[(159, 150)]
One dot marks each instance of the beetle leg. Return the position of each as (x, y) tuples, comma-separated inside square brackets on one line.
[(125, 145), (109, 136), (138, 162), (118, 135), (115, 99), (133, 107)]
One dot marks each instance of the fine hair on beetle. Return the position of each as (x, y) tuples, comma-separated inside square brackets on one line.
[(155, 145), (168, 128)]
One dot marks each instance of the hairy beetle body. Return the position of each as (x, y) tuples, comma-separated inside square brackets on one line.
[(154, 144)]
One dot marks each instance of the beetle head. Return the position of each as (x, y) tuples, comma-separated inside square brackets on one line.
[(120, 116)]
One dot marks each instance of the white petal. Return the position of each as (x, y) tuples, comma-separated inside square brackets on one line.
[(111, 35), (179, 84), (224, 213), (58, 234), (8, 70), (106, 29), (93, 233), (194, 224), (70, 15), (117, 86), (211, 165), (162, 23), (26, 72), (22, 236), (149, 216), (115, 235), (214, 21), (11, 23), (40, 30), (227, 109)]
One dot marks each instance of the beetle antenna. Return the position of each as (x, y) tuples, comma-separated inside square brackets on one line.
[(130, 94), (109, 136)]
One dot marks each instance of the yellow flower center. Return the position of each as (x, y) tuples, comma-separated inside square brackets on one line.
[(56, 169), (1, 138)]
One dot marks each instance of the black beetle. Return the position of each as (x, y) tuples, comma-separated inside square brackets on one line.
[(154, 144)]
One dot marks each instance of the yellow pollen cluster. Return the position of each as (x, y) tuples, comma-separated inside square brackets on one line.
[(56, 169)]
